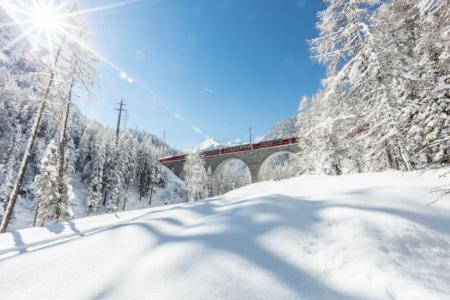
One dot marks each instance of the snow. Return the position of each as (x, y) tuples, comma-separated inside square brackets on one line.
[(285, 129), (207, 144), (172, 194), (365, 236), (443, 85)]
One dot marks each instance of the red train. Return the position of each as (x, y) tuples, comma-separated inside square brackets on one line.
[(235, 149)]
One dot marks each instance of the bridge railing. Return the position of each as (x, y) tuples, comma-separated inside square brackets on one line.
[(236, 149)]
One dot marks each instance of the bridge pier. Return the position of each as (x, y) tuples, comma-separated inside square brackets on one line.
[(254, 171)]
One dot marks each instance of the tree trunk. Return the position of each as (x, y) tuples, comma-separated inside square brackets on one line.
[(104, 197), (390, 158), (151, 194), (35, 215), (126, 197), (23, 166), (404, 156)]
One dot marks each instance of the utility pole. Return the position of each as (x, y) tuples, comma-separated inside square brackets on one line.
[(250, 135), (120, 109)]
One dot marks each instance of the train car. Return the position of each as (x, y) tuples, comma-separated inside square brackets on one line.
[(211, 153), (235, 149), (258, 145), (273, 143), (240, 148), (285, 142)]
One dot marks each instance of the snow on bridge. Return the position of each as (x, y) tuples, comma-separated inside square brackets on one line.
[(253, 155)]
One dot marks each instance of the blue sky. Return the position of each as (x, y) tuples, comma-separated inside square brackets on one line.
[(204, 68)]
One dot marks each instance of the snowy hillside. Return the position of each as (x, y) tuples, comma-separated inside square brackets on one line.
[(366, 236), (284, 129)]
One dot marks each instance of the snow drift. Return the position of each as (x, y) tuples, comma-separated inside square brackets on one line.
[(368, 236)]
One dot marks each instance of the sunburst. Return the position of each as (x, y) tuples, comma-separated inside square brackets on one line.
[(45, 24)]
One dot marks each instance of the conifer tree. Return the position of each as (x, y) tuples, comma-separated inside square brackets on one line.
[(196, 177), (52, 207)]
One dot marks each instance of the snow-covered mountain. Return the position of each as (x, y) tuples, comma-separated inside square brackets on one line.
[(366, 236), (284, 129), (208, 144)]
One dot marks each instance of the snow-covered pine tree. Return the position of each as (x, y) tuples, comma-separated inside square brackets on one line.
[(52, 207), (128, 159), (144, 170), (155, 182), (196, 177), (320, 146), (121, 168), (305, 125), (9, 168), (210, 182), (95, 197)]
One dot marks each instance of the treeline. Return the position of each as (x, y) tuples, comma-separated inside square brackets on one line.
[(385, 102)]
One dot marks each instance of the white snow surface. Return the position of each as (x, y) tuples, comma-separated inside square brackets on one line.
[(366, 236), (208, 144)]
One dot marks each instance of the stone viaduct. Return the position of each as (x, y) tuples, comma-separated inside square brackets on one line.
[(253, 155)]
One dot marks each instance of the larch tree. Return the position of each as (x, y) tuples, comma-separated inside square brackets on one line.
[(385, 100)]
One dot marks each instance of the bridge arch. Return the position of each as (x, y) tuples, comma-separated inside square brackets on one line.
[(253, 155), (278, 165), (229, 174)]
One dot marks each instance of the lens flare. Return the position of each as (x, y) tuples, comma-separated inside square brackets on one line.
[(44, 23), (45, 18)]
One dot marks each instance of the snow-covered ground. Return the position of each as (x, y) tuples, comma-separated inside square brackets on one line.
[(369, 236)]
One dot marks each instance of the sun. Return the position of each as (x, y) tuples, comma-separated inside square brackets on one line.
[(45, 18), (45, 23), (48, 24)]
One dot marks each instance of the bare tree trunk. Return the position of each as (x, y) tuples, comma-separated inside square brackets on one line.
[(390, 157), (151, 194), (23, 166), (105, 195), (35, 215), (404, 156)]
